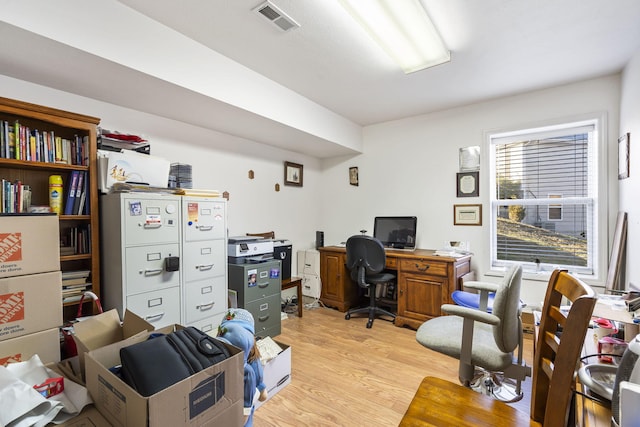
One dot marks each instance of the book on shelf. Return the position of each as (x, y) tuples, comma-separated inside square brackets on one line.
[(79, 190), (74, 281), (73, 274), (71, 193)]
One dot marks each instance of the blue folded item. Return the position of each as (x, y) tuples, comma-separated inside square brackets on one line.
[(471, 300)]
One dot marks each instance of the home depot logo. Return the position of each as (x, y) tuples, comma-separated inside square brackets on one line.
[(4, 361), (11, 307), (10, 247)]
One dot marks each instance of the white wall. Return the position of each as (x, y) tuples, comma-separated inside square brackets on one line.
[(630, 187), (408, 166)]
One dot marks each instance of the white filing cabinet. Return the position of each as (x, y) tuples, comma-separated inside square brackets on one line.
[(141, 234), (204, 262)]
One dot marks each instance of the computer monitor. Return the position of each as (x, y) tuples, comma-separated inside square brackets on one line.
[(397, 232)]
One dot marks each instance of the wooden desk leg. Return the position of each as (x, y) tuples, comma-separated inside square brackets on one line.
[(299, 287)]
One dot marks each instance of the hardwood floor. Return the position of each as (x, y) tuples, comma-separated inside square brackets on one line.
[(344, 374)]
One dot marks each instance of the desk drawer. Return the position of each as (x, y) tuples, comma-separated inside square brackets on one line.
[(422, 266), (391, 263)]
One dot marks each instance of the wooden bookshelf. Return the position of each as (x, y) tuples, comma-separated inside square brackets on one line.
[(35, 173)]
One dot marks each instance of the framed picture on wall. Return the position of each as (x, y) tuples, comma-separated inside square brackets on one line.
[(467, 184), (353, 175), (623, 156), (467, 214), (293, 174)]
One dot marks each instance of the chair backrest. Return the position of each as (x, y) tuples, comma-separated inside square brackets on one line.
[(506, 305), (365, 255), (560, 339), (267, 235)]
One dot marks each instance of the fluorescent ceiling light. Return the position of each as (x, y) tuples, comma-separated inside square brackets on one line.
[(403, 29)]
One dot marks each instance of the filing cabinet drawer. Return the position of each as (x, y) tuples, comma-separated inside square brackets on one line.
[(204, 298), (423, 266), (149, 221), (145, 268), (203, 219), (160, 308), (266, 315), (210, 324), (203, 259)]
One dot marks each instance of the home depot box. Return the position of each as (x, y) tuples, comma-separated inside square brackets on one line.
[(104, 329), (211, 396), (277, 372), (29, 244), (46, 344), (29, 304)]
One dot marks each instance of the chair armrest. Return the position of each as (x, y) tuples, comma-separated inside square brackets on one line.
[(470, 313), (482, 286)]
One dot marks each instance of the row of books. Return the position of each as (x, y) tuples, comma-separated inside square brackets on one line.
[(20, 142), (75, 203), (76, 240), (15, 197), (74, 284)]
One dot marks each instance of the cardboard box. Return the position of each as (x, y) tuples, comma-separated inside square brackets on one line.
[(29, 244), (89, 417), (528, 323), (277, 372), (46, 344), (29, 304), (210, 397), (104, 329)]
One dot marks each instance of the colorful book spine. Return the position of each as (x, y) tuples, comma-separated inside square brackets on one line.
[(79, 191), (71, 193)]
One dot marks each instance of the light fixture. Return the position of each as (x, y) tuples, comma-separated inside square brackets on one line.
[(403, 29)]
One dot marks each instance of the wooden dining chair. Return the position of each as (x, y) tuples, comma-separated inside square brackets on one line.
[(561, 334)]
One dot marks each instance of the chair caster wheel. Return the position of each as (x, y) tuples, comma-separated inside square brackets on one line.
[(369, 324), (347, 316)]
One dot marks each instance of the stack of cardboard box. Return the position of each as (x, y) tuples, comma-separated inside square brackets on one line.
[(30, 288)]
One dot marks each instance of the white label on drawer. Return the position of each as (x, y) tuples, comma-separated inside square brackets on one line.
[(153, 210), (205, 212), (153, 219), (206, 290), (264, 306), (154, 256), (264, 274), (205, 251), (154, 302)]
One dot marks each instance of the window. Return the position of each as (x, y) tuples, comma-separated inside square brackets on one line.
[(544, 197)]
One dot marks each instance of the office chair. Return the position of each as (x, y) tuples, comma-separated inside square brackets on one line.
[(366, 259), (439, 402), (484, 340)]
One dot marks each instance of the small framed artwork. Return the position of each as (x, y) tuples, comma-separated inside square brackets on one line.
[(467, 184), (353, 175), (469, 158), (623, 156), (292, 174), (467, 214)]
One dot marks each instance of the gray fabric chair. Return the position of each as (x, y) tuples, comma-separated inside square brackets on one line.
[(481, 339), (366, 260)]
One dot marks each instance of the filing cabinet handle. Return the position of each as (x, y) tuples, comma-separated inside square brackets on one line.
[(152, 225), (204, 267), (149, 272), (426, 267), (151, 317), (206, 306), (205, 227), (263, 285), (263, 318)]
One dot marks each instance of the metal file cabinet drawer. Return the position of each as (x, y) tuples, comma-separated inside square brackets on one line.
[(203, 219), (160, 308), (204, 298), (149, 221), (145, 268), (255, 281), (210, 324), (203, 259), (266, 315)]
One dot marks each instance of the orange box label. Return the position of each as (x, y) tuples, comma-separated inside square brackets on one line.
[(4, 361), (10, 247), (11, 307)]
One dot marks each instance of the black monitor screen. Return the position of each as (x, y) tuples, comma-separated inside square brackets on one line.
[(396, 231)]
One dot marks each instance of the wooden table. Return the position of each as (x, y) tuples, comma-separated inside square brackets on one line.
[(294, 282)]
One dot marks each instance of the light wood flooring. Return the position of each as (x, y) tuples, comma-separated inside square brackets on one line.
[(344, 374)]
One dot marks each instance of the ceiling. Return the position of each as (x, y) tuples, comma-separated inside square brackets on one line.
[(498, 48)]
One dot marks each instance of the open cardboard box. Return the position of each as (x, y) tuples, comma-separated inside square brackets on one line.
[(213, 396), (277, 372), (104, 329)]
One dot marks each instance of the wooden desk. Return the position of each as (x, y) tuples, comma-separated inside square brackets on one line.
[(294, 282), (424, 282)]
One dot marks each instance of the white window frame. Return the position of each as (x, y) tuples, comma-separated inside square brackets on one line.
[(597, 263)]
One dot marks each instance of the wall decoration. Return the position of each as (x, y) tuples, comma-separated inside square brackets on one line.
[(292, 174), (623, 156), (469, 159), (277, 187), (353, 175), (467, 184), (251, 174), (467, 214)]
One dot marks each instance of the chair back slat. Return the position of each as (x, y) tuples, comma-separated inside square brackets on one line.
[(558, 348)]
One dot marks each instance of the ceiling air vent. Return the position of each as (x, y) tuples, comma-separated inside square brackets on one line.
[(276, 16)]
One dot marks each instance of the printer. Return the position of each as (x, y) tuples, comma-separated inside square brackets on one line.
[(248, 249)]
